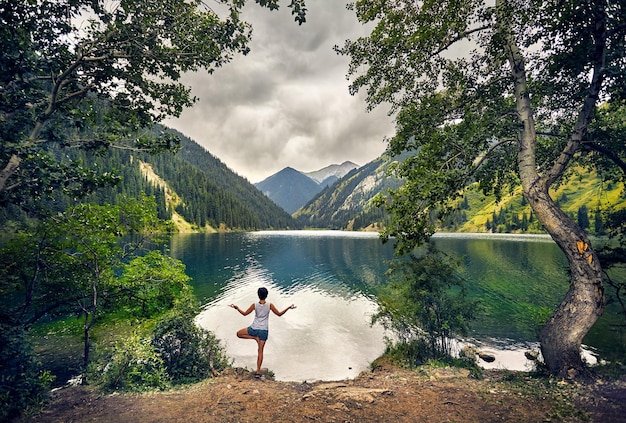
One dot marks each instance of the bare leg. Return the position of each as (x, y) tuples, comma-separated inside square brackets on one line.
[(259, 359), (243, 334)]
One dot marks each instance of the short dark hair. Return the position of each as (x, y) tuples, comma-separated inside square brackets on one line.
[(262, 293)]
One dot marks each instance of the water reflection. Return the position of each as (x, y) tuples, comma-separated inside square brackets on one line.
[(332, 277), (307, 343), (329, 336), (343, 263), (518, 279)]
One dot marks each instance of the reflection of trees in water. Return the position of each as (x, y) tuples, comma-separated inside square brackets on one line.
[(518, 281), (343, 265), (425, 303)]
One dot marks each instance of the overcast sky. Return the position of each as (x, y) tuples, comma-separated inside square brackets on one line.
[(286, 103)]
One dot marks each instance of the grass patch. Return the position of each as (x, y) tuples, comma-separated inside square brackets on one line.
[(561, 394), (412, 355), (610, 371)]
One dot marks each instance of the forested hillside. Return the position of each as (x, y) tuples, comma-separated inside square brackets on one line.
[(585, 198), (209, 194), (209, 189), (347, 204)]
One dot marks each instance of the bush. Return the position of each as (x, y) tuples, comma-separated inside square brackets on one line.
[(425, 304), (189, 352), (418, 352), (23, 385), (133, 365), (409, 353), (153, 283), (178, 352)]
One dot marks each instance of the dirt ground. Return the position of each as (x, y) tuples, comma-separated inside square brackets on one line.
[(386, 394)]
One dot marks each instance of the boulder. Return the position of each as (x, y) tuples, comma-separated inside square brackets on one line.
[(486, 356), (469, 352)]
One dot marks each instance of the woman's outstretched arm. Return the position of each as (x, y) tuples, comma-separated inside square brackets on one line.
[(280, 313), (243, 312)]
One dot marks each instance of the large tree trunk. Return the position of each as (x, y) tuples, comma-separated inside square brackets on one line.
[(583, 304)]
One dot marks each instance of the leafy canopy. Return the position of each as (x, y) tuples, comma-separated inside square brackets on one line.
[(152, 283), (96, 74), (443, 68), (69, 259)]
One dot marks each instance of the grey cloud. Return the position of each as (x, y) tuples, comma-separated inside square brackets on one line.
[(287, 102)]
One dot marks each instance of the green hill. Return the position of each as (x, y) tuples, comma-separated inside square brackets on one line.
[(211, 190), (192, 187), (347, 204), (583, 195)]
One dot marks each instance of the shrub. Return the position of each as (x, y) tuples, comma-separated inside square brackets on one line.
[(133, 365), (153, 283), (418, 352), (425, 304), (23, 385), (189, 353)]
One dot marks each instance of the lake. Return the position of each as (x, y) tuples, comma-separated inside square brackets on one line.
[(332, 277)]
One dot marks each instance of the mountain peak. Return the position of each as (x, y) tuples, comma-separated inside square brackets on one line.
[(336, 171), (291, 189)]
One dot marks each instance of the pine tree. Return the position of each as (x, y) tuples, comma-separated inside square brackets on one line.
[(583, 217)]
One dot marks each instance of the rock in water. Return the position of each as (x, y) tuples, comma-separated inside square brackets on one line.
[(487, 357)]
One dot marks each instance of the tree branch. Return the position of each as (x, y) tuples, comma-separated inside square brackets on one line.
[(9, 169), (51, 307), (459, 37), (607, 152), (75, 94), (489, 151)]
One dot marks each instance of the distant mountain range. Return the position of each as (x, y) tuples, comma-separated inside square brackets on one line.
[(200, 193), (328, 175), (347, 203), (339, 197), (291, 189)]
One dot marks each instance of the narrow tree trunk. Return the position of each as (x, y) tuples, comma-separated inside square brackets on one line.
[(86, 328), (8, 171)]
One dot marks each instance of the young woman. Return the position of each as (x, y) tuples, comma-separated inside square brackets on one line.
[(259, 328)]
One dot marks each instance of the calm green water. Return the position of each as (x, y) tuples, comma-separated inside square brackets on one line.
[(332, 276)]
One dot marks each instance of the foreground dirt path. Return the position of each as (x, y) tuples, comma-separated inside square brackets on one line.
[(387, 394)]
